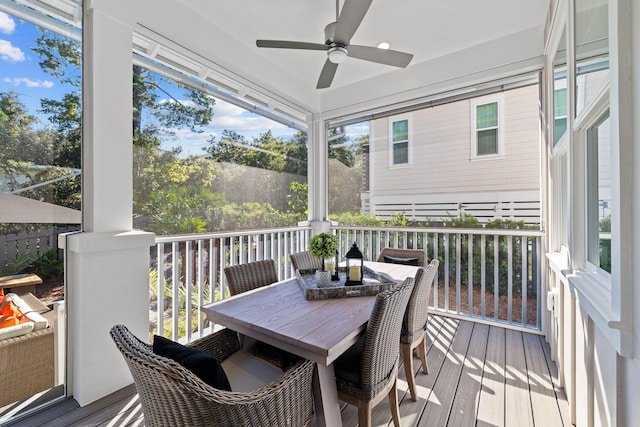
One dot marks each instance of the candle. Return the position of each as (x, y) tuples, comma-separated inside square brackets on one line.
[(331, 266), (354, 273)]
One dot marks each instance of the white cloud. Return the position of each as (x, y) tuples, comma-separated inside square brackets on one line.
[(28, 82), (223, 108), (7, 25), (10, 53)]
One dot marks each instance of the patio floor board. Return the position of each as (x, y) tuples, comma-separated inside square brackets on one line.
[(479, 375)]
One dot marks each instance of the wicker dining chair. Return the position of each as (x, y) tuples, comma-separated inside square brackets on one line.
[(245, 277), (173, 396), (397, 255), (305, 261), (368, 371), (414, 325), (252, 275)]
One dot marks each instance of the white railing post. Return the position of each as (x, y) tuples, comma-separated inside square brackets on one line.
[(59, 342)]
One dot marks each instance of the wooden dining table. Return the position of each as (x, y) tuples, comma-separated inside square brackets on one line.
[(319, 330)]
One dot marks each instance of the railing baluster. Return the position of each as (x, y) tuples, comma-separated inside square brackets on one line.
[(483, 278), (524, 278), (510, 279), (213, 268), (446, 272), (458, 270), (175, 268), (436, 279), (201, 284), (188, 279), (470, 272), (223, 264), (496, 276), (535, 264), (161, 290)]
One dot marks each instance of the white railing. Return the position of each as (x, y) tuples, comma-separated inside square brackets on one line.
[(506, 257), (509, 259), (188, 272)]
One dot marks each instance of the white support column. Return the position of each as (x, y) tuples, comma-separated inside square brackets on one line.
[(107, 264), (318, 161), (107, 283), (107, 155)]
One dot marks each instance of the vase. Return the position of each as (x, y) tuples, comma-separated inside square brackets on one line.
[(323, 278)]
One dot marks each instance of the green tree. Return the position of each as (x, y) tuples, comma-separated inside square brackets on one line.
[(15, 128), (162, 177), (151, 92), (298, 200), (62, 57), (265, 152), (21, 145), (186, 107), (339, 149)]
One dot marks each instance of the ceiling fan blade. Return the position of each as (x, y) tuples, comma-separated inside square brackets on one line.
[(351, 16), (326, 75), (284, 44), (382, 56)]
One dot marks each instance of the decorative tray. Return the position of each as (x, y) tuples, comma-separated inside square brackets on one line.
[(373, 284)]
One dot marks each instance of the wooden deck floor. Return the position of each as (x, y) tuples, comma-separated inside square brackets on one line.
[(479, 375)]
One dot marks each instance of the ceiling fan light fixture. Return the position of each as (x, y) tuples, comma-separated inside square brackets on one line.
[(384, 45), (337, 54)]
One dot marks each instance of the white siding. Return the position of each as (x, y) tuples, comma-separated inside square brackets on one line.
[(441, 155)]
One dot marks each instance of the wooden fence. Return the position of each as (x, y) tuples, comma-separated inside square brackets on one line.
[(15, 247)]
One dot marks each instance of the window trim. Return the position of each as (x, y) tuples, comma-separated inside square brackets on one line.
[(601, 295), (390, 122), (474, 103)]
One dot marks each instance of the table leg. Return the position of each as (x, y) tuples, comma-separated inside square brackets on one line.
[(325, 395)]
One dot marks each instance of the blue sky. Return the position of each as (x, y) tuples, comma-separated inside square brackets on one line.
[(20, 72), (19, 69)]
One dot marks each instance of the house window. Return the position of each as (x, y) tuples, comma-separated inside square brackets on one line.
[(486, 137), (599, 195), (559, 114), (399, 142), (591, 38)]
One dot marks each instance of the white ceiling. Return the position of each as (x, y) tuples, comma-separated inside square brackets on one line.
[(503, 31)]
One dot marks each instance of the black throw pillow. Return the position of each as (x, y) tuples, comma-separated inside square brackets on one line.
[(405, 261), (203, 365)]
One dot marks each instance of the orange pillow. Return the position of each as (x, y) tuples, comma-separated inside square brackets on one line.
[(9, 314)]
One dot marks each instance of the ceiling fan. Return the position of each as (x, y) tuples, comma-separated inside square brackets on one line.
[(337, 37)]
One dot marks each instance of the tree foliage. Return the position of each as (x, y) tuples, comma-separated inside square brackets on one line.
[(265, 152), (186, 108)]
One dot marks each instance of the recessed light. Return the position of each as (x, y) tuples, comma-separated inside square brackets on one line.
[(384, 45)]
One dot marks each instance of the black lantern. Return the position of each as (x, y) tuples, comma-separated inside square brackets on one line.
[(355, 266)]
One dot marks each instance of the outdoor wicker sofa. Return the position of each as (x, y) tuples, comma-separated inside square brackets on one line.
[(27, 362)]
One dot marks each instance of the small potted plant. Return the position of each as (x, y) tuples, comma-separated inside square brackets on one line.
[(323, 245)]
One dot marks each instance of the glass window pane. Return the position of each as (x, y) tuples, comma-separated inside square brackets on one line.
[(193, 174), (560, 102), (40, 182), (400, 153), (592, 50), (488, 142), (559, 129), (487, 115), (599, 195), (401, 130)]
